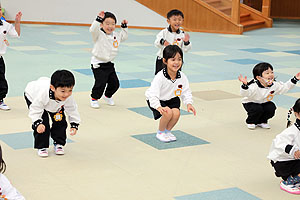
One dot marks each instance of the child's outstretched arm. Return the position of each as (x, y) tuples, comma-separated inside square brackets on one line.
[(298, 76), (190, 108), (243, 79), (95, 27), (124, 31), (187, 45), (18, 22)]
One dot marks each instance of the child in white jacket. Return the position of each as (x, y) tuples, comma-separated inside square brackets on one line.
[(285, 154), (259, 93), (106, 44)]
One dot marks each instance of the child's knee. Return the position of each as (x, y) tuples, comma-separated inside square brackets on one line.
[(176, 112)]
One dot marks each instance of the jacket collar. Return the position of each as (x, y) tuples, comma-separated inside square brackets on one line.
[(297, 124), (165, 72), (261, 86), (51, 94), (170, 30)]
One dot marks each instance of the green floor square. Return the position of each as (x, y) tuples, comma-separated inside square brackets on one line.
[(183, 140)]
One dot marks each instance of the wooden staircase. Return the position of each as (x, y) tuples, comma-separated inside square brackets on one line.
[(213, 16)]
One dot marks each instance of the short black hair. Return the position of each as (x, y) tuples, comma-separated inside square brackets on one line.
[(174, 12), (2, 163), (260, 68), (109, 15), (296, 107), (62, 78), (170, 52)]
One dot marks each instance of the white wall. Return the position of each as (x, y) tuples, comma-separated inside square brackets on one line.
[(84, 11)]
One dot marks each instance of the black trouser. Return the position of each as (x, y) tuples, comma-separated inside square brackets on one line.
[(259, 113), (159, 65), (285, 169), (57, 130), (3, 82), (105, 75)]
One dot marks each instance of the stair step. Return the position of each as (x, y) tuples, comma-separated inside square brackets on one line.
[(245, 17), (212, 1), (223, 8), (252, 22), (242, 15)]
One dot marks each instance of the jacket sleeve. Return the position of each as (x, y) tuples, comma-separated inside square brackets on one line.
[(285, 87), (9, 191), (123, 34), (36, 109), (282, 144), (247, 90), (153, 93), (186, 96), (186, 46), (72, 112), (160, 38), (95, 30), (12, 31)]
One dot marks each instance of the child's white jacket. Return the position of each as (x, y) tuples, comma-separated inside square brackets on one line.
[(286, 144), (256, 93), (8, 190), (174, 38), (39, 93), (106, 46), (163, 88), (5, 30)]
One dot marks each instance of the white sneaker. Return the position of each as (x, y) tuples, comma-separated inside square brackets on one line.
[(264, 125), (94, 104), (58, 148), (3, 106), (109, 101), (171, 136), (251, 126), (289, 188), (43, 152), (163, 137)]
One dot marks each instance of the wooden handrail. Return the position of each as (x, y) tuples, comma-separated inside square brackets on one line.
[(235, 11)]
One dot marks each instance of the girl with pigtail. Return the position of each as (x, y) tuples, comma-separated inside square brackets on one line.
[(285, 153)]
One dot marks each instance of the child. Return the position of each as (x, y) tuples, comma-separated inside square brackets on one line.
[(259, 92), (163, 95), (106, 43), (171, 35), (285, 154), (5, 30), (7, 191), (53, 97)]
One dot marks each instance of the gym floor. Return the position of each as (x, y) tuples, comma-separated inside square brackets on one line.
[(115, 154)]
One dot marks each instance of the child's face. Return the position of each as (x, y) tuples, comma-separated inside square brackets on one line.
[(174, 64), (61, 93), (175, 21), (297, 115), (109, 25), (266, 78), (1, 12)]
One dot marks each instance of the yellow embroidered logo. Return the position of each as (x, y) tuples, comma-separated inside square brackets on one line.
[(58, 116)]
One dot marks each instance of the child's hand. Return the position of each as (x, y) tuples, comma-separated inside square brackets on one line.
[(18, 17), (73, 131), (243, 79), (298, 76), (166, 43), (124, 21), (101, 14), (297, 154), (41, 128), (190, 108), (161, 110), (186, 37)]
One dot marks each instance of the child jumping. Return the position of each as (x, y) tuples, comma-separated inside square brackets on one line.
[(7, 191), (163, 95), (5, 30), (171, 35), (106, 43), (52, 97), (259, 93), (285, 154)]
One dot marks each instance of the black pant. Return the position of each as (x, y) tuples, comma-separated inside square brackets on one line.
[(105, 75), (285, 169), (159, 65), (57, 131), (259, 113), (3, 82)]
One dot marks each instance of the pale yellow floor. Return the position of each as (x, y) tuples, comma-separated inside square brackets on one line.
[(106, 163)]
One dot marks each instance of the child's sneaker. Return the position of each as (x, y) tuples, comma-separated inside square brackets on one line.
[(43, 152), (3, 106), (264, 125), (58, 148), (251, 126), (162, 136), (293, 189), (94, 103), (109, 101), (171, 136)]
